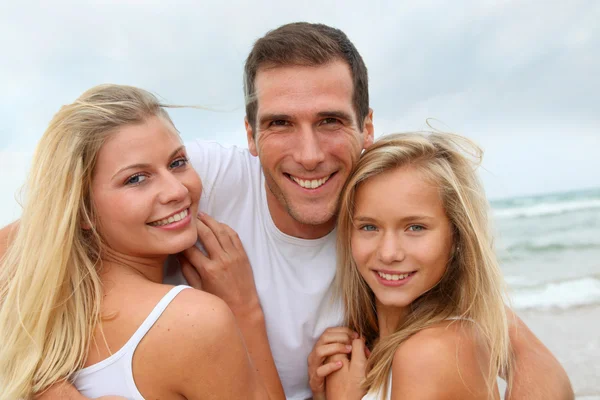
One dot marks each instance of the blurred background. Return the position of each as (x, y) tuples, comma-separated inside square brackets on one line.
[(519, 77)]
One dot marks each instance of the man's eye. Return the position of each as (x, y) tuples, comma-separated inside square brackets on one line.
[(135, 179), (279, 122), (329, 121), (180, 162)]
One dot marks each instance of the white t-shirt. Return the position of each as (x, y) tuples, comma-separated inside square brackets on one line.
[(293, 276)]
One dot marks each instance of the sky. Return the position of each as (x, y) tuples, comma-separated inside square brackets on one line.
[(519, 77)]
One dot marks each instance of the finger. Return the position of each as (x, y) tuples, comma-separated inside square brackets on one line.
[(344, 329), (235, 239), (189, 272), (208, 239), (196, 259), (358, 352), (219, 231), (330, 349), (328, 368), (367, 352), (334, 337)]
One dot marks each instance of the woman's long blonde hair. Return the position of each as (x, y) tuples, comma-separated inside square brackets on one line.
[(50, 289), (472, 286)]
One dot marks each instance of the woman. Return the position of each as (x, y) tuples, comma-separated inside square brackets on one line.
[(418, 276), (110, 196)]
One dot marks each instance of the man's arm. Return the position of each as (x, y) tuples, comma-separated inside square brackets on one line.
[(537, 374), (6, 236), (225, 272)]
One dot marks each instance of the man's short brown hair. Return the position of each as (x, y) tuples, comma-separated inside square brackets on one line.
[(302, 43)]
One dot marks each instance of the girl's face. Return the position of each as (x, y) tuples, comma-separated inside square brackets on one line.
[(144, 191), (402, 238)]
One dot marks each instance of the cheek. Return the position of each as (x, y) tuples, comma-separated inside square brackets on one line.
[(361, 252), (194, 185), (114, 212), (435, 256)]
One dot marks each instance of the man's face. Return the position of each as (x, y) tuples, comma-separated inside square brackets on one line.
[(308, 139)]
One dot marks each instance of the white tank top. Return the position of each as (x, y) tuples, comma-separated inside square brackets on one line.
[(114, 375)]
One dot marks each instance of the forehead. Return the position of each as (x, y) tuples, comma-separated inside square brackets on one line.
[(139, 143), (401, 191), (298, 89)]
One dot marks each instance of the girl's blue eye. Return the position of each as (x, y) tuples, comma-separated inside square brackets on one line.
[(416, 228), (368, 228), (135, 179), (180, 162)]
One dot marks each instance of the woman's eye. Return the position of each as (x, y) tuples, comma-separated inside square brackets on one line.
[(416, 228), (135, 179), (368, 228), (180, 162)]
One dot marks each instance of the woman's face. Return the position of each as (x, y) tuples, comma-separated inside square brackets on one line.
[(144, 191), (402, 238)]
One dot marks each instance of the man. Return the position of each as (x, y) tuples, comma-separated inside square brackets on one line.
[(307, 121)]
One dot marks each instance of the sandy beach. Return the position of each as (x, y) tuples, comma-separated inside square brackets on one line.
[(573, 336)]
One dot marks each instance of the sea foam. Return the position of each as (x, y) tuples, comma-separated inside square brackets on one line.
[(558, 295)]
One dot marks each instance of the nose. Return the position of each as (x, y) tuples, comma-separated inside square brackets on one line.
[(309, 149), (390, 249), (171, 189)]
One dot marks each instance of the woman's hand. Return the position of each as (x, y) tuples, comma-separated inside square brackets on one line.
[(336, 340), (346, 382), (224, 270)]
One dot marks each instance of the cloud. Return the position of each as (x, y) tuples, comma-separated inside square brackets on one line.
[(518, 77)]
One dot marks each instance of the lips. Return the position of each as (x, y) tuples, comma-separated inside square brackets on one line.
[(392, 278), (310, 183), (171, 219)]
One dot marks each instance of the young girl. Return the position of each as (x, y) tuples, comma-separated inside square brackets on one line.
[(110, 195), (418, 276)]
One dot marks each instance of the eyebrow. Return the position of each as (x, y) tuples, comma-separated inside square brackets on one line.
[(142, 165), (323, 114), (409, 218), (273, 117), (336, 114)]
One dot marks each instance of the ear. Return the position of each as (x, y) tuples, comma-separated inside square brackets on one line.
[(368, 130), (250, 138)]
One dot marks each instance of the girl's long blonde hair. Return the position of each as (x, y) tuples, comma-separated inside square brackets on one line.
[(472, 287), (50, 289)]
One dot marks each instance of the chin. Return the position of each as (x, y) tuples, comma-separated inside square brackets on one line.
[(310, 216), (182, 244)]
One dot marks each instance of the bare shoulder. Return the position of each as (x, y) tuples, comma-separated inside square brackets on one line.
[(195, 316), (193, 341), (453, 358)]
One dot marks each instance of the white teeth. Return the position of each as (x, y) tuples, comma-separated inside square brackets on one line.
[(393, 277), (171, 219), (310, 184)]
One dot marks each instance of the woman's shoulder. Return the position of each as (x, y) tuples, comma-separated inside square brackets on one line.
[(197, 314), (443, 361), (193, 331)]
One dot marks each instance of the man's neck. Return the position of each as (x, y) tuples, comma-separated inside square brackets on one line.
[(290, 226)]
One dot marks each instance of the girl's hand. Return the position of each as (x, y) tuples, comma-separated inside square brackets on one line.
[(346, 382), (336, 340)]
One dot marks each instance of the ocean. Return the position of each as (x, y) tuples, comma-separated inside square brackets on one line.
[(549, 249)]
